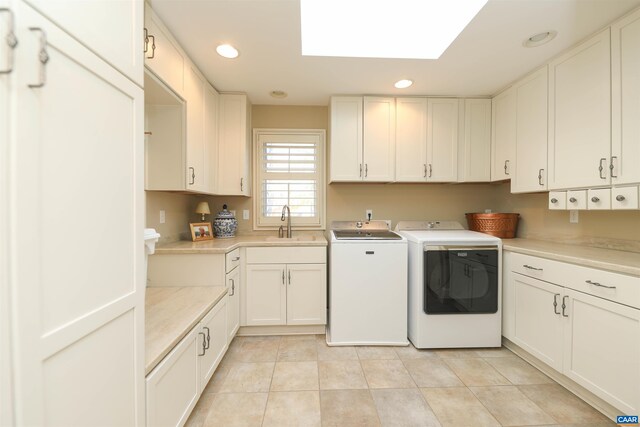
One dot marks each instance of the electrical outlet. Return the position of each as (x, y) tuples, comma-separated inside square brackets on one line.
[(163, 216), (573, 216), (368, 214), (245, 214)]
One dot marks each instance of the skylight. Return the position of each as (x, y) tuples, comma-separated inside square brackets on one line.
[(414, 29)]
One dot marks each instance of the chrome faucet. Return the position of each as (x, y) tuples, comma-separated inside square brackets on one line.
[(285, 209)]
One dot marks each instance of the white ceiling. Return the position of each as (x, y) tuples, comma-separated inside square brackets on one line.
[(485, 58)]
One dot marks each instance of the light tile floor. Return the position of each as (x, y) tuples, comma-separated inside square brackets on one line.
[(300, 381)]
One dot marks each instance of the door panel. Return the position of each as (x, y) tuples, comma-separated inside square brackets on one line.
[(233, 303), (306, 294), (379, 139), (266, 294), (346, 138), (442, 140), (411, 139), (503, 135), (214, 325), (197, 178)]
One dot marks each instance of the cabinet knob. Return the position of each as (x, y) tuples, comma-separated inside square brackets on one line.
[(573, 200), (554, 200), (620, 198), (595, 199)]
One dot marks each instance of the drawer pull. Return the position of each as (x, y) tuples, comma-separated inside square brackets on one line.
[(532, 268), (595, 199), (554, 200), (204, 344), (599, 284), (208, 338), (555, 303), (620, 198), (564, 306), (573, 200)]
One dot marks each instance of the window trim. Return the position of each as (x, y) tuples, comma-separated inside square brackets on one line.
[(322, 184)]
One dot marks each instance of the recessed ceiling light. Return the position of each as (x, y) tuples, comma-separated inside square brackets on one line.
[(415, 29), (540, 39), (403, 84), (227, 51), (280, 94)]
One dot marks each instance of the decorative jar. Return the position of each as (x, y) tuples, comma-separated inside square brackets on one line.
[(225, 224)]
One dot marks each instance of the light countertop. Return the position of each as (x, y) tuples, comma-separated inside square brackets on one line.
[(170, 313), (225, 245), (604, 259)]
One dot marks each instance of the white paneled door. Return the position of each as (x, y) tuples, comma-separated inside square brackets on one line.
[(442, 140), (411, 139), (76, 224), (379, 139)]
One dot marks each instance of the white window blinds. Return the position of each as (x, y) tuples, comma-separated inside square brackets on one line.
[(290, 172)]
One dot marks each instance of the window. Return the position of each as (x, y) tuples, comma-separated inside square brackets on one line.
[(289, 171)]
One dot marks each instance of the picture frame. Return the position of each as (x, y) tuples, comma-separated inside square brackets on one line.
[(201, 231)]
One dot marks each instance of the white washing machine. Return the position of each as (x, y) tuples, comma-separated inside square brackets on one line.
[(367, 285), (455, 285)]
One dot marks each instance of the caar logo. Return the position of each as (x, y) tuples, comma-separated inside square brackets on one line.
[(627, 420)]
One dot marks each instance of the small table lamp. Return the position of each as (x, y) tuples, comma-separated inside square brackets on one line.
[(203, 209)]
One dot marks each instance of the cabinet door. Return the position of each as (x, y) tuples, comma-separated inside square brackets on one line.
[(346, 138), (531, 130), (162, 54), (78, 281), (625, 100), (173, 386), (474, 155), (233, 145), (213, 328), (266, 294), (442, 140), (379, 150), (602, 349), (111, 29), (197, 178), (580, 93), (411, 139), (503, 135), (538, 323), (233, 303), (306, 294), (508, 297), (211, 98)]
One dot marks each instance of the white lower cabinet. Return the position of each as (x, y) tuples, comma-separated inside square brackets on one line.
[(291, 292), (582, 322), (233, 303), (174, 386)]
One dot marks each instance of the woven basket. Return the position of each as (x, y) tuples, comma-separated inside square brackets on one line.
[(501, 225)]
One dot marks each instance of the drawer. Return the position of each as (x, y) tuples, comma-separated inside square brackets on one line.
[(625, 197), (615, 287), (232, 260), (557, 200), (577, 199), (287, 255), (599, 199)]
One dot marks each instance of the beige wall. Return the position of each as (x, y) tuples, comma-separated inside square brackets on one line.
[(406, 201)]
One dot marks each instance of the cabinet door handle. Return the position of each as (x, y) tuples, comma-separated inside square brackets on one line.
[(554, 200), (540, 176), (289, 274), (601, 167), (532, 268), (208, 337), (599, 284), (146, 40), (425, 170), (241, 184), (506, 162), (153, 46), (612, 166), (204, 343), (360, 170), (620, 198), (11, 40), (430, 170), (43, 57), (366, 169), (555, 303), (283, 277), (595, 199), (564, 306), (236, 258), (573, 199), (193, 175), (233, 288)]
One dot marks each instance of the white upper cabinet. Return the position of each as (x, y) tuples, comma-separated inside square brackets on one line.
[(211, 102), (625, 100), (503, 135), (531, 131), (234, 145), (346, 119), (162, 54), (474, 151), (379, 139), (411, 139), (442, 140), (197, 178), (109, 28), (579, 115)]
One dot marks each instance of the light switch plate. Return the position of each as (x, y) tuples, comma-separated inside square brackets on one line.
[(573, 216), (163, 216), (245, 214)]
